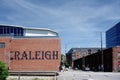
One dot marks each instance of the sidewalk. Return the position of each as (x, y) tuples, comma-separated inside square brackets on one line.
[(71, 75), (87, 75)]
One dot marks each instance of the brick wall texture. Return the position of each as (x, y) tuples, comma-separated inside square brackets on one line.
[(115, 58), (31, 54)]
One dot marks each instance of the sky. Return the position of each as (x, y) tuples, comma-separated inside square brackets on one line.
[(78, 22)]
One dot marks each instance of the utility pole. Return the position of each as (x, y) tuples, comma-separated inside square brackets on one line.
[(83, 59), (102, 55), (65, 48)]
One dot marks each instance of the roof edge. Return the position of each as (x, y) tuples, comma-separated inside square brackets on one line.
[(24, 27)]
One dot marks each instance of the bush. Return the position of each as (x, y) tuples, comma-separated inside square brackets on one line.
[(3, 71), (119, 70), (67, 64)]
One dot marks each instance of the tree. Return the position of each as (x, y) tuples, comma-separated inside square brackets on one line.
[(64, 61), (3, 71), (67, 64)]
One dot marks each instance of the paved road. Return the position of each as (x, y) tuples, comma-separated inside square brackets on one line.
[(82, 75)]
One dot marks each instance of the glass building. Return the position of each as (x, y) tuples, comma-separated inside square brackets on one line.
[(11, 30), (113, 36), (15, 31)]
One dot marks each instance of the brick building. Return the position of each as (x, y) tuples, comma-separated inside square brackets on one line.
[(29, 49), (109, 58), (76, 53)]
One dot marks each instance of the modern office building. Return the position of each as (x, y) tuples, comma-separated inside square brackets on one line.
[(29, 49), (113, 36)]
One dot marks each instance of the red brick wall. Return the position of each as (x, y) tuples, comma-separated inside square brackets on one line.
[(78, 55), (21, 49), (115, 58), (4, 52)]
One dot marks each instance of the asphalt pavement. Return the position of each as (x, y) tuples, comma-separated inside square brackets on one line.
[(87, 75)]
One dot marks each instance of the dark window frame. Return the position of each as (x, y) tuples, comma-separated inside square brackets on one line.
[(2, 45)]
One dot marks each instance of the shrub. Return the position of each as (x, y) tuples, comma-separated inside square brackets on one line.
[(67, 64), (119, 70), (3, 71)]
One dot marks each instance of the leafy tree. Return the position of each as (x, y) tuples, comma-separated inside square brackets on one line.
[(3, 71), (67, 64)]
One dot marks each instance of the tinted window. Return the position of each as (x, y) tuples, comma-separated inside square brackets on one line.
[(2, 45)]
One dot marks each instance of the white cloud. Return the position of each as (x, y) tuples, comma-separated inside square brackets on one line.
[(76, 20)]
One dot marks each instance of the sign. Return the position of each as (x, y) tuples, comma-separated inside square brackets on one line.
[(37, 55)]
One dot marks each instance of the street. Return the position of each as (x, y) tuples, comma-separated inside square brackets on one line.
[(87, 75)]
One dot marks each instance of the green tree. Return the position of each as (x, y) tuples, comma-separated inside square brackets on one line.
[(67, 64), (3, 71)]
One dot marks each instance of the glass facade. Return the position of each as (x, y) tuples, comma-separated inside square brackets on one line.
[(113, 36), (10, 30)]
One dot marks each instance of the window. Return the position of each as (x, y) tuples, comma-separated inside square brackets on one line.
[(2, 45), (118, 55)]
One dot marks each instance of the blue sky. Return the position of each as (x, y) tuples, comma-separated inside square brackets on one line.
[(78, 22)]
